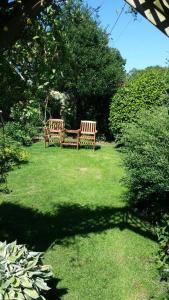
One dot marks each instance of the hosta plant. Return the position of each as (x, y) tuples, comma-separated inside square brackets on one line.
[(22, 275)]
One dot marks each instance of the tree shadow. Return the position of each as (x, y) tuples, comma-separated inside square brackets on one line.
[(55, 293), (90, 147), (40, 231)]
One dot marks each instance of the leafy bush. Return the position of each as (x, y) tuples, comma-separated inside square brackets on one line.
[(163, 253), (11, 154), (21, 133), (146, 145), (22, 275), (25, 116), (25, 112), (144, 89), (163, 239)]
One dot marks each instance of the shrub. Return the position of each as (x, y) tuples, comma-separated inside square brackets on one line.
[(11, 154), (25, 112), (21, 133), (163, 253), (146, 145), (22, 275), (163, 239), (25, 116), (144, 89)]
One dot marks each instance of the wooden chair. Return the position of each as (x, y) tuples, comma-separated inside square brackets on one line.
[(53, 131), (88, 133)]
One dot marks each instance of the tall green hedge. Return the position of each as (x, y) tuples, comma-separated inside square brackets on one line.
[(146, 147), (143, 89)]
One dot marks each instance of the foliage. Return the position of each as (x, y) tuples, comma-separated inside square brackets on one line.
[(26, 117), (91, 69), (22, 276), (146, 145), (67, 51), (143, 89), (12, 87), (25, 112), (21, 133), (163, 253), (60, 102), (15, 15), (163, 239), (11, 154)]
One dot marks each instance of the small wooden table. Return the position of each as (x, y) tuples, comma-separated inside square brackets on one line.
[(70, 137)]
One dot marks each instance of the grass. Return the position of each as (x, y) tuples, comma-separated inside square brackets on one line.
[(68, 203)]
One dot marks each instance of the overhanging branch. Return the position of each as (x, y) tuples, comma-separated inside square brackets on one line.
[(12, 24)]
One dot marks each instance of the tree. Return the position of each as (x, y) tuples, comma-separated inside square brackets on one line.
[(69, 52), (11, 86), (91, 71), (31, 60), (15, 15)]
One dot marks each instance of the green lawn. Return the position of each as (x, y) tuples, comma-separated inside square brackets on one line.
[(69, 204)]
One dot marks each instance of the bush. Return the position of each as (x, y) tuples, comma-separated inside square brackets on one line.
[(163, 239), (25, 116), (146, 145), (22, 275), (163, 253), (144, 89), (11, 154), (21, 133), (25, 112)]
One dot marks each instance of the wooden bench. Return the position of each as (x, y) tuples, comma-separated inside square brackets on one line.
[(53, 131), (88, 133), (70, 137)]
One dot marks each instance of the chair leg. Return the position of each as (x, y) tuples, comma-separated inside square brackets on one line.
[(94, 144), (46, 143)]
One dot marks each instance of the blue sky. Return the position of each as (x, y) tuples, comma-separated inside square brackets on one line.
[(139, 42)]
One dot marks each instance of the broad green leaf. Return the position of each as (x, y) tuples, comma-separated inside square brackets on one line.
[(1, 296), (25, 282), (42, 284), (20, 296), (31, 293)]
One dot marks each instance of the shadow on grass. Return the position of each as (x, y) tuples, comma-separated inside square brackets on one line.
[(90, 147), (55, 293), (40, 231)]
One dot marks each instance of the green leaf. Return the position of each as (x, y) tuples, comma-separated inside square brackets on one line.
[(11, 294), (1, 296), (31, 293), (42, 284), (35, 37), (25, 282), (40, 87), (20, 296)]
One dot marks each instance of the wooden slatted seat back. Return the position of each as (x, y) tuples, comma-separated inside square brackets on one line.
[(55, 125), (88, 133), (53, 131), (88, 127)]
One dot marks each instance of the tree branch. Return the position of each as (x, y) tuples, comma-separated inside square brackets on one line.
[(13, 24)]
